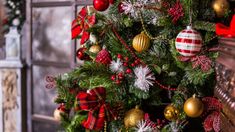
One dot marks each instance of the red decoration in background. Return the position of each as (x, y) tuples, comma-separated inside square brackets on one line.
[(103, 57), (212, 121), (149, 122), (51, 83), (101, 5), (99, 111), (176, 11), (225, 31), (201, 61), (81, 24)]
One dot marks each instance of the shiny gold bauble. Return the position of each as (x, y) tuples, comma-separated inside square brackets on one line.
[(171, 113), (95, 49), (57, 114), (141, 42), (193, 107), (220, 7), (133, 116)]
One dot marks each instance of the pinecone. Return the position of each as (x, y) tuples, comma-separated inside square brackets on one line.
[(103, 57)]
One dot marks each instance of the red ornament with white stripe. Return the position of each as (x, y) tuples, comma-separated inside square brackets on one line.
[(188, 42)]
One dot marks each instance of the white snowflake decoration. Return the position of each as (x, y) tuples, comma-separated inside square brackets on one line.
[(130, 8), (116, 66), (144, 78), (143, 126)]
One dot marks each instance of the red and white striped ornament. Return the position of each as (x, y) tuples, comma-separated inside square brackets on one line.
[(188, 42)]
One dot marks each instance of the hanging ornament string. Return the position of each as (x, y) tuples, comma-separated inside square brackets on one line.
[(125, 44), (135, 56), (145, 30)]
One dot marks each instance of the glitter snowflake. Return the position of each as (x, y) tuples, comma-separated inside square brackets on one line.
[(116, 66), (130, 8), (143, 126), (144, 78)]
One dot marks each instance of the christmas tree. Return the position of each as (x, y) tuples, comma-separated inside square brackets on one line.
[(148, 66), (15, 14)]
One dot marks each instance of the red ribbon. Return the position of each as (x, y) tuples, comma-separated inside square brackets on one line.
[(99, 111), (225, 31), (81, 24)]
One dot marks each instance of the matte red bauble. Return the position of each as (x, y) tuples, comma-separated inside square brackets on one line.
[(101, 5), (103, 57)]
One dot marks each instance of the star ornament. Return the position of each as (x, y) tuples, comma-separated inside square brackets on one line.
[(144, 78), (81, 24)]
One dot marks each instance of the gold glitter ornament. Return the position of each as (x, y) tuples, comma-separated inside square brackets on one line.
[(171, 113), (95, 49), (133, 116)]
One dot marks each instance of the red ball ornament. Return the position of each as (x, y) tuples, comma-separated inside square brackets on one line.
[(188, 42), (81, 55), (103, 57), (118, 81), (113, 77), (125, 64), (120, 76), (133, 64), (137, 62), (101, 5), (120, 8), (126, 59), (128, 71), (119, 56), (111, 1)]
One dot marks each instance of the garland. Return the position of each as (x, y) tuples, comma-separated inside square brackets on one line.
[(135, 56)]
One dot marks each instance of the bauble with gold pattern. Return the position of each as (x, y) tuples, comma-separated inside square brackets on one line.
[(141, 42), (171, 113), (95, 49), (220, 7), (133, 116), (193, 107)]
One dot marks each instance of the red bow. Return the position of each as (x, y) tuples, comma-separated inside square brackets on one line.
[(201, 61), (81, 24), (94, 102), (223, 30)]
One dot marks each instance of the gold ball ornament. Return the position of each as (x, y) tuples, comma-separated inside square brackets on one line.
[(220, 7), (95, 49), (57, 114), (193, 107), (171, 113), (133, 116), (141, 42)]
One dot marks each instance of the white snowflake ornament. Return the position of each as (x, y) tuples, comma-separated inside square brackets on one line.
[(143, 126), (116, 66), (144, 78)]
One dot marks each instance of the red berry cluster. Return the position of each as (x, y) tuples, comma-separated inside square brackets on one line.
[(118, 78), (161, 123)]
